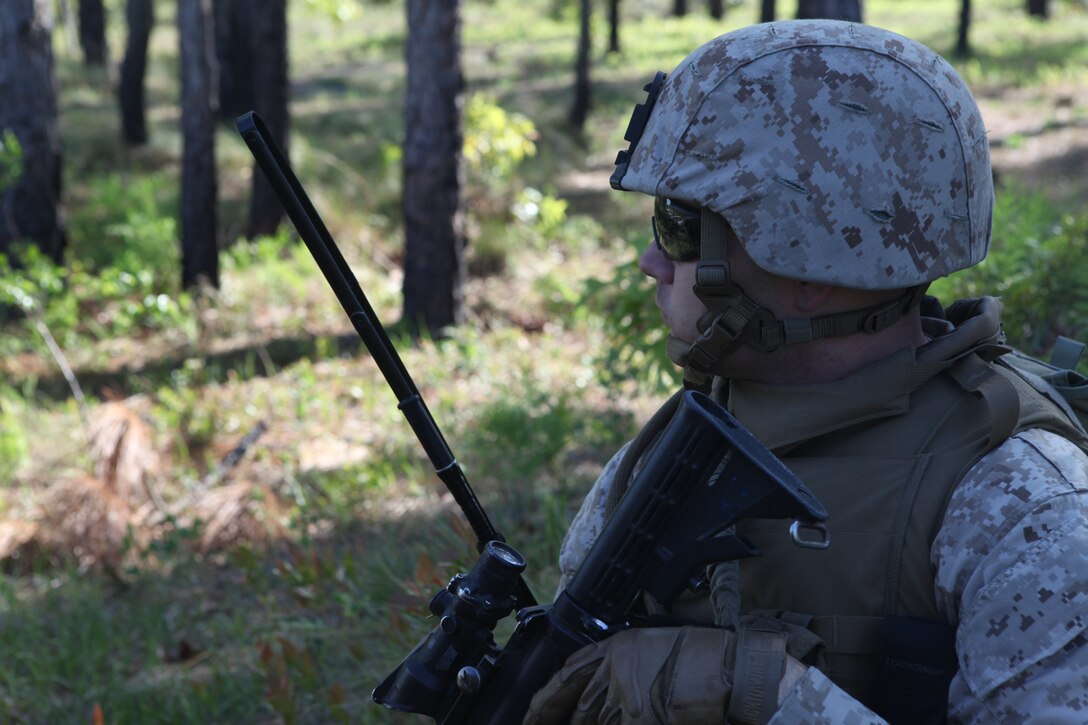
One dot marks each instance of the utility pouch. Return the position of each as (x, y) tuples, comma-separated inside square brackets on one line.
[(917, 663)]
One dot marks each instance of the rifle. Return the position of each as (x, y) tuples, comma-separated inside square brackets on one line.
[(705, 473)]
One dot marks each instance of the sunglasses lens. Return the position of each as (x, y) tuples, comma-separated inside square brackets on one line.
[(676, 230)]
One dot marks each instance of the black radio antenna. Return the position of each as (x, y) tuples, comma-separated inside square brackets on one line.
[(343, 282)]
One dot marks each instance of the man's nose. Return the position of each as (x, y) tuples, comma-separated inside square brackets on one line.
[(653, 263)]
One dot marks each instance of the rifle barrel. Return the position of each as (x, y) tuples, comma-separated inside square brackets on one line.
[(366, 323)]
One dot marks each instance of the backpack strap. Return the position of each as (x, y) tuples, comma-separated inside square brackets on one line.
[(1057, 380), (1001, 396), (639, 445), (1067, 353)]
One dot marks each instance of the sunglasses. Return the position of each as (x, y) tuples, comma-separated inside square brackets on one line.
[(676, 229)]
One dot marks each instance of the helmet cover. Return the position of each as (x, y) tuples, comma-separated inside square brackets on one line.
[(838, 153)]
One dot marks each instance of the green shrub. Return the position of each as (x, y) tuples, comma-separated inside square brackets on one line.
[(535, 221), (11, 159), (341, 11), (13, 443), (79, 305), (126, 225), (496, 140), (635, 332), (1038, 268)]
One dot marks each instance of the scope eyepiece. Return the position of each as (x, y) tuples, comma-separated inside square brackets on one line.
[(447, 661)]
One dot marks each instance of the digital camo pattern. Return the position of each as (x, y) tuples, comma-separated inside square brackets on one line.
[(1012, 569), (839, 153), (815, 700), (588, 522)]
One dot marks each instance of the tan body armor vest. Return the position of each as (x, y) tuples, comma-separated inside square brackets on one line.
[(883, 450), (886, 482)]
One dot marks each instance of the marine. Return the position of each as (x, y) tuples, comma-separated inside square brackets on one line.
[(810, 180)]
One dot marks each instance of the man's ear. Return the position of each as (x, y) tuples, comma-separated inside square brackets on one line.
[(809, 297)]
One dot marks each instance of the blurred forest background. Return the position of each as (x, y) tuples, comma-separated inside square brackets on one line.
[(212, 510)]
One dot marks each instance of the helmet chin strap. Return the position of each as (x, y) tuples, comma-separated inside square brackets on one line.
[(733, 318), (679, 352)]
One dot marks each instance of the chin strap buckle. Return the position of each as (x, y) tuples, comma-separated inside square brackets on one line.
[(879, 317)]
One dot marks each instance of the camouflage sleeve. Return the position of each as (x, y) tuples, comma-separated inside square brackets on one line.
[(1011, 562), (815, 700), (1012, 570), (588, 522)]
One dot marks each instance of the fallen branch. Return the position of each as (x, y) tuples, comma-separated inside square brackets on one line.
[(65, 368), (215, 477)]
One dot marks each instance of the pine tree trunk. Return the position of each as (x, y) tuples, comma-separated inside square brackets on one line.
[(268, 51), (199, 249), (579, 111), (434, 258), (766, 11), (830, 9), (235, 28), (613, 26), (140, 16), (30, 203), (92, 32), (963, 45)]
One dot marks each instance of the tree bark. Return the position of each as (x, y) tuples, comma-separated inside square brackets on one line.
[(766, 11), (268, 51), (30, 206), (140, 16), (830, 9), (579, 111), (716, 8), (963, 44), (613, 26), (92, 32), (199, 248), (679, 8), (1039, 9), (434, 258), (235, 26)]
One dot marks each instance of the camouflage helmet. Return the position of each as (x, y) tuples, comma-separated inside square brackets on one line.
[(838, 153)]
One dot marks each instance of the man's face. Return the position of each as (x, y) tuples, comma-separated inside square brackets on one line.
[(681, 309), (676, 299)]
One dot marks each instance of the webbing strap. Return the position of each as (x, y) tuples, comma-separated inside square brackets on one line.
[(1067, 353), (645, 438), (734, 318), (712, 236), (1001, 396), (760, 664), (848, 634)]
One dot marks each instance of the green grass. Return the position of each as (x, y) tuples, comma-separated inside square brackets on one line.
[(533, 394)]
